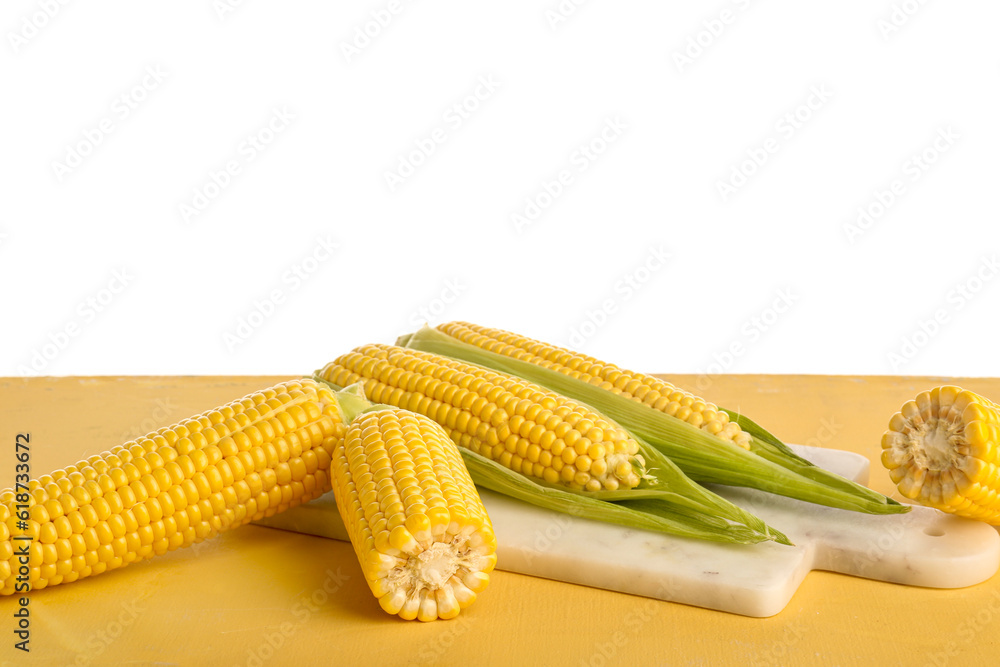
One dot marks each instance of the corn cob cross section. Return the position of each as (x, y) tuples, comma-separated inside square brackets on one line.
[(176, 486), (418, 526), (941, 449)]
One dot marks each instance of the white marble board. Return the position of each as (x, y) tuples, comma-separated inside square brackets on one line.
[(924, 547)]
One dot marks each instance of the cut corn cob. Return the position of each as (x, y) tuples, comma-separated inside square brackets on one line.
[(941, 450), (174, 487), (646, 389), (768, 464), (416, 521), (540, 434)]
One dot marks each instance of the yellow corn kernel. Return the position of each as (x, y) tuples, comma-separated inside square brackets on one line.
[(654, 392), (941, 450), (565, 427), (416, 521), (156, 497)]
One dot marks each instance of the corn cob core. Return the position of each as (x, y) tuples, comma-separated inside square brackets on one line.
[(646, 389), (523, 427), (941, 450), (176, 486), (420, 531)]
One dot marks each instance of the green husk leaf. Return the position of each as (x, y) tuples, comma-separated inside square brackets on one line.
[(676, 500), (770, 465), (655, 516), (351, 402), (671, 485), (769, 447)]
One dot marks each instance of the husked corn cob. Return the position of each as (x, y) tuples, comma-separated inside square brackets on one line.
[(521, 426), (941, 450), (419, 529), (178, 485), (753, 457), (535, 435), (654, 392)]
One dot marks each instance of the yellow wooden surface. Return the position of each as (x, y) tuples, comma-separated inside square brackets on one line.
[(259, 596)]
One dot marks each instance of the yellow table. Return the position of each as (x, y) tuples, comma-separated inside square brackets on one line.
[(258, 596)]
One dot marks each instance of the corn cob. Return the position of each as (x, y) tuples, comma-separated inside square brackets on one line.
[(540, 434), (174, 487), (740, 454), (646, 389), (941, 450), (416, 521), (524, 428)]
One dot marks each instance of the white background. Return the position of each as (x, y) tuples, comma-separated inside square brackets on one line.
[(684, 109)]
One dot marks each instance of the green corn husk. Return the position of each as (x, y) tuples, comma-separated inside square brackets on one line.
[(769, 465), (769, 447), (671, 502), (653, 516)]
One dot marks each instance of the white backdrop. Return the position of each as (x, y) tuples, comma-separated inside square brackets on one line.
[(730, 186)]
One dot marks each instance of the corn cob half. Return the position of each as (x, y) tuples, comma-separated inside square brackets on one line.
[(415, 519), (941, 449), (176, 486), (540, 434), (710, 444)]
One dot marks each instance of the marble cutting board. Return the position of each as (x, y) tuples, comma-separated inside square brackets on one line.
[(924, 547)]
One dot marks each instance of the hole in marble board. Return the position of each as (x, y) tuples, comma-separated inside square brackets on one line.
[(933, 532)]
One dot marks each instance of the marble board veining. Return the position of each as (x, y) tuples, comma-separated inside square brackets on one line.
[(923, 547)]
